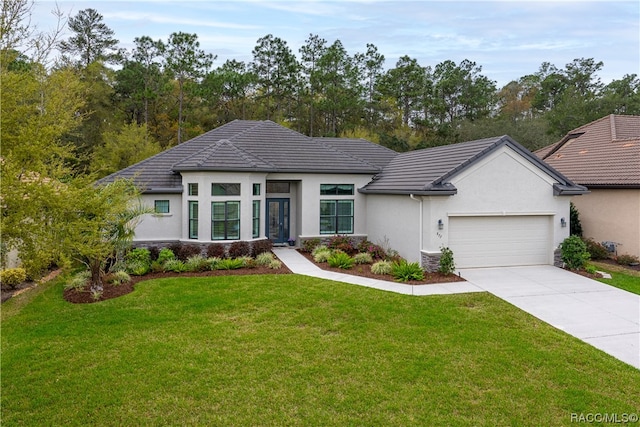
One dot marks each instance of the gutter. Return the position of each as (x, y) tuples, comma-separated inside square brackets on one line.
[(421, 201)]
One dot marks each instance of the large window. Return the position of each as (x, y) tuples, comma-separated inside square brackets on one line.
[(225, 189), (336, 189), (161, 206), (256, 219), (193, 220), (336, 216), (225, 220)]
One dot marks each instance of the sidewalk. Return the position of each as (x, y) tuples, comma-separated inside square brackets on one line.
[(298, 264)]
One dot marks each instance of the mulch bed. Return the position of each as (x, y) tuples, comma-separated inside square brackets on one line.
[(110, 291), (7, 293), (614, 263), (365, 271)]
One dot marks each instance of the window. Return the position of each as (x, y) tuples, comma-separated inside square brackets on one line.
[(256, 218), (278, 187), (193, 220), (220, 189), (225, 220), (161, 206), (193, 189), (336, 189), (256, 189), (336, 216)]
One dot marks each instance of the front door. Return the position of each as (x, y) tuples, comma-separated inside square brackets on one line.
[(278, 220)]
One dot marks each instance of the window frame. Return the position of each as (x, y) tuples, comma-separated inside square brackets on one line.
[(193, 219), (157, 211), (337, 189), (192, 189), (226, 188), (255, 219), (227, 222), (335, 217), (256, 189)]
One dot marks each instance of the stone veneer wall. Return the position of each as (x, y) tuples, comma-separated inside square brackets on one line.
[(557, 258), (430, 261)]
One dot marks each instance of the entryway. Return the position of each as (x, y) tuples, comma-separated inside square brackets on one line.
[(278, 220)]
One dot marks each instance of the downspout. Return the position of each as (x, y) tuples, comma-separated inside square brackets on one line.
[(421, 201)]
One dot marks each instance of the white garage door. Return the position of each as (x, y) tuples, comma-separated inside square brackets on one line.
[(500, 241)]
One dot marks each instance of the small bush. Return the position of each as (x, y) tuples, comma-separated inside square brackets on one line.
[(154, 252), (187, 251), (404, 271), (138, 268), (197, 263), (339, 259), (275, 264), (216, 250), (78, 281), (230, 264), (363, 258), (264, 259), (446, 264), (247, 261), (12, 277), (574, 252), (119, 277), (239, 249), (626, 259), (213, 262), (381, 267), (319, 248), (596, 250), (342, 243), (139, 255), (310, 244), (376, 251), (157, 267), (260, 247), (322, 256), (591, 269), (175, 266), (165, 255)]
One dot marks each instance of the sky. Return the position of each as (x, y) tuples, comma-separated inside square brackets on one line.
[(508, 39)]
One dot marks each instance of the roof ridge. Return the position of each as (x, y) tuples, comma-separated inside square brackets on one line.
[(250, 158), (317, 140)]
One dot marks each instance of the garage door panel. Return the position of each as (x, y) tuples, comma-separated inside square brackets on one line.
[(500, 241)]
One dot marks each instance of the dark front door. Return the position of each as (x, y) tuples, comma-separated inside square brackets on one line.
[(278, 220)]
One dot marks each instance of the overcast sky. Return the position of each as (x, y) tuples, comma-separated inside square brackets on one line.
[(509, 39)]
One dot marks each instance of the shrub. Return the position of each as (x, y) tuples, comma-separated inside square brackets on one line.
[(376, 251), (596, 250), (575, 226), (230, 264), (626, 259), (446, 264), (213, 262), (165, 255), (310, 244), (319, 248), (239, 249), (187, 251), (264, 259), (138, 268), (197, 263), (381, 267), (216, 250), (404, 271), (78, 281), (260, 247), (154, 252), (363, 258), (175, 265), (142, 255), (574, 252), (591, 269), (157, 267), (12, 277), (322, 255), (247, 261), (275, 264), (342, 243), (119, 277), (339, 259)]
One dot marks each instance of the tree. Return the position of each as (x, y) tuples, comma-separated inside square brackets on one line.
[(311, 52), (188, 63), (92, 40), (372, 64), (227, 91), (405, 84)]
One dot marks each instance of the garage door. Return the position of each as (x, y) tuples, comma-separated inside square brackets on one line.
[(500, 241)]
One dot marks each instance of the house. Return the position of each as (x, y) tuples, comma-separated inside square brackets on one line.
[(491, 201), (604, 156)]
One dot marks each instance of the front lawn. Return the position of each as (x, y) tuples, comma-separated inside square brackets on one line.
[(295, 350), (623, 281)]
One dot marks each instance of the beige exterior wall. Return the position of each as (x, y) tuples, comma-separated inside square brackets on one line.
[(611, 215)]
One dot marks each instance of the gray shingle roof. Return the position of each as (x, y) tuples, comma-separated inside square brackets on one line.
[(245, 145), (427, 171)]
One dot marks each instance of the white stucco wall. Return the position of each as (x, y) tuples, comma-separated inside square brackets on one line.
[(394, 220), (161, 227)]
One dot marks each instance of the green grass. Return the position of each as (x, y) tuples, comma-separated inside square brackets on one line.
[(294, 350), (623, 281)]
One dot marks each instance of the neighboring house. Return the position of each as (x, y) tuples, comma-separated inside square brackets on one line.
[(604, 156), (491, 201)]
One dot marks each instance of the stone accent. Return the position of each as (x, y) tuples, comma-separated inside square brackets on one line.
[(325, 239), (430, 261), (557, 258)]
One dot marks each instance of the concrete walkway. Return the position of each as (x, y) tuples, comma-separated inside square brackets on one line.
[(606, 317), (601, 315), (300, 265)]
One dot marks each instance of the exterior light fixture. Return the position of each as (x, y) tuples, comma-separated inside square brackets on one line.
[(440, 224), (563, 222)]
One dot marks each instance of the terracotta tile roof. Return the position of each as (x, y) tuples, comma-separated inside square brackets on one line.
[(603, 153)]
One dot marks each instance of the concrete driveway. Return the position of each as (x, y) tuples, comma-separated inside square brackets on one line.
[(603, 316)]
